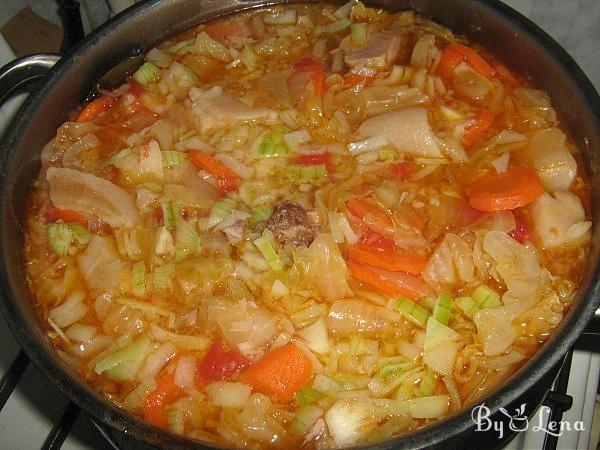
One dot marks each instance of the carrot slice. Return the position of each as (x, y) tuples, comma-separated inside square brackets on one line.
[(474, 60), (280, 373), (483, 121), (505, 74), (166, 392), (317, 74), (454, 54), (449, 59), (404, 170), (54, 214), (380, 282), (377, 220), (516, 187), (95, 108), (396, 261), (227, 179), (317, 159)]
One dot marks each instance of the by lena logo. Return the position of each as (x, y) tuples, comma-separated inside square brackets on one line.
[(518, 421)]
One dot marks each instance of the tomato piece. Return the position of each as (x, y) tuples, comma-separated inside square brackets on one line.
[(315, 160), (166, 392), (220, 364), (136, 89), (54, 214), (373, 240), (404, 170), (521, 232)]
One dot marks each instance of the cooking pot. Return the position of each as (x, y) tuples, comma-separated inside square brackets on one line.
[(521, 44)]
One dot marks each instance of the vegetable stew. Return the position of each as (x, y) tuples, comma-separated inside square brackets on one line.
[(307, 226)]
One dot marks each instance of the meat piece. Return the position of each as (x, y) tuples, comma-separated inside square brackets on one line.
[(291, 224), (214, 109), (407, 129), (379, 52)]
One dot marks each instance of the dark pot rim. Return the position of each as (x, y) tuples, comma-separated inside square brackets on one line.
[(430, 436)]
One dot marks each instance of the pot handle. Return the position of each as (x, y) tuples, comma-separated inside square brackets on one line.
[(24, 70)]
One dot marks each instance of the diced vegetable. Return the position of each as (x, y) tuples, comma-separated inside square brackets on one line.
[(485, 297), (172, 158), (265, 245), (306, 174), (308, 395), (411, 310), (205, 44), (220, 364), (475, 132), (455, 53), (54, 214), (166, 392), (125, 363), (273, 144), (59, 238), (441, 310), (95, 108), (138, 279), (358, 33), (187, 241), (163, 275), (147, 73), (396, 261), (80, 233), (304, 419), (168, 215), (316, 160), (249, 57), (427, 384), (316, 337), (516, 187), (70, 311), (467, 305), (228, 394), (260, 213), (441, 347), (175, 419), (220, 211), (280, 373), (390, 283), (227, 179)]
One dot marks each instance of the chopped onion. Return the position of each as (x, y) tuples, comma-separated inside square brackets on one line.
[(286, 17), (185, 371), (501, 163), (279, 289), (316, 337), (156, 361), (184, 342), (70, 311), (227, 394), (81, 333), (368, 145)]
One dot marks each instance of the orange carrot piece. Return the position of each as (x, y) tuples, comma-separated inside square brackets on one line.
[(95, 108), (516, 187), (166, 391), (505, 74), (474, 60), (454, 54), (483, 121), (386, 287), (54, 214), (317, 74), (280, 373), (449, 59), (395, 261), (378, 221), (227, 179)]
